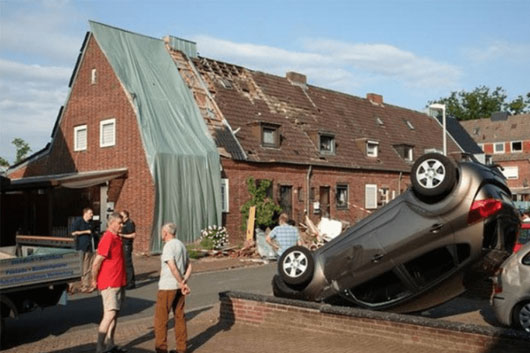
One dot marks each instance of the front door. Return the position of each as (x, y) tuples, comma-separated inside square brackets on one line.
[(286, 199), (324, 201)]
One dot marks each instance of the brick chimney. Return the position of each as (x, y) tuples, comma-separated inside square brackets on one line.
[(375, 98), (297, 79)]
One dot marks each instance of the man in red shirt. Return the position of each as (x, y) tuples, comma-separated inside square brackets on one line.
[(108, 273)]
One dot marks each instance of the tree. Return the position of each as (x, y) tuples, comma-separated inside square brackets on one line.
[(22, 149), (482, 102)]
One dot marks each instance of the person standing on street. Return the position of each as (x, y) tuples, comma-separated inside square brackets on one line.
[(172, 289), (283, 236), (109, 277), (83, 234), (128, 233)]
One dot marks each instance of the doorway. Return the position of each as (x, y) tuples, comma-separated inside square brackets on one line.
[(286, 199)]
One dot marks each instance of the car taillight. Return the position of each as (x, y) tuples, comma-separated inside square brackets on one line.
[(497, 284), (483, 209)]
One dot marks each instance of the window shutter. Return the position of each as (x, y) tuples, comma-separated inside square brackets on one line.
[(370, 196), (107, 133), (80, 138), (224, 195)]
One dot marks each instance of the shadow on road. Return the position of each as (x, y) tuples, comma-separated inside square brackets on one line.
[(34, 326)]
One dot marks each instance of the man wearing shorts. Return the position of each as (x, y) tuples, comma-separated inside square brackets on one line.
[(109, 277)]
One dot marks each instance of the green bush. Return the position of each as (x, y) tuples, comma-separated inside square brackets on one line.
[(265, 207)]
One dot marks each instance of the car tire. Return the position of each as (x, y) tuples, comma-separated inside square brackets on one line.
[(296, 265), (281, 289), (521, 316), (433, 175)]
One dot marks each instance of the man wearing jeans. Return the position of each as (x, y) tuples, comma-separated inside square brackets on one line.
[(172, 288), (108, 273)]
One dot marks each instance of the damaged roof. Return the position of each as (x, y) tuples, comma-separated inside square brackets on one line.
[(237, 102)]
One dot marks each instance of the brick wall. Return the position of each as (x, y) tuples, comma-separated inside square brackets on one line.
[(88, 105), (296, 177), (265, 311)]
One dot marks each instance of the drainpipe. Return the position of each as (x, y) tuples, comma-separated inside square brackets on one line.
[(308, 188), (399, 183)]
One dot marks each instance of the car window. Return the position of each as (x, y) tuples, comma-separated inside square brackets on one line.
[(432, 266), (382, 289)]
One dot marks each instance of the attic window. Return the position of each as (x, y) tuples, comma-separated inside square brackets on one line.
[(226, 83), (327, 143), (517, 146), (405, 151), (270, 136), (476, 131), (372, 148), (409, 124), (93, 77), (379, 121)]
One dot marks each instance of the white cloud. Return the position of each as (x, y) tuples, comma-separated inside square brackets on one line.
[(31, 97), (513, 52), (337, 65)]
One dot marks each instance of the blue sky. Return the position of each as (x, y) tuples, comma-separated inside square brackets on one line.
[(409, 51)]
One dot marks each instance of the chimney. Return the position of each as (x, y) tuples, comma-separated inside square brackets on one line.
[(375, 98), (296, 79), (499, 116)]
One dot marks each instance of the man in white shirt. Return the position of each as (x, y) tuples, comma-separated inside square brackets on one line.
[(172, 289)]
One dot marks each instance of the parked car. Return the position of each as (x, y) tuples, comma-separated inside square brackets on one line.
[(453, 215), (511, 290), (524, 235)]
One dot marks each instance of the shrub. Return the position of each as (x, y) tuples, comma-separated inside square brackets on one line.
[(265, 207), (213, 237)]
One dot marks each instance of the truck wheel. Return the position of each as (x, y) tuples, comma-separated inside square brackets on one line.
[(433, 175), (296, 265)]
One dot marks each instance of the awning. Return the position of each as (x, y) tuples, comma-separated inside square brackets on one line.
[(78, 180)]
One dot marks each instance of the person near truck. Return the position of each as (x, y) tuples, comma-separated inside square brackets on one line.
[(283, 236), (83, 234), (109, 278), (172, 289), (128, 233)]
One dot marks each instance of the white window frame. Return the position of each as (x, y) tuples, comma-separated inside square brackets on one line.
[(225, 195), (511, 172), (516, 151), (93, 76), (103, 123), (346, 187), (410, 153), (374, 152), (78, 129), (495, 151), (370, 196), (333, 145)]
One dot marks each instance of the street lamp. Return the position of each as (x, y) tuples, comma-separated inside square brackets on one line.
[(438, 106)]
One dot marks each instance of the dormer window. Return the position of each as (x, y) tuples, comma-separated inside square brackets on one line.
[(498, 147), (405, 151), (372, 148), (270, 136), (326, 143)]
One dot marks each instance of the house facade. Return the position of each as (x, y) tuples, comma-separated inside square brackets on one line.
[(326, 153), (507, 139)]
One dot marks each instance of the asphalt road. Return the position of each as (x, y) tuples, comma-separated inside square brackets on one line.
[(84, 310)]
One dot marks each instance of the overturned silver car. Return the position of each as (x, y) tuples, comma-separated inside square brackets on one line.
[(454, 215)]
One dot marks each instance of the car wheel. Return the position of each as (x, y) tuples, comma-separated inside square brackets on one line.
[(521, 316), (433, 175), (283, 290), (296, 265)]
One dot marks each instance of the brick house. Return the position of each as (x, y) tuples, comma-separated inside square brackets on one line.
[(326, 152), (507, 139)]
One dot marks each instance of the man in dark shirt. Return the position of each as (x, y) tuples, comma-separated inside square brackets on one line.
[(82, 231), (127, 234)]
